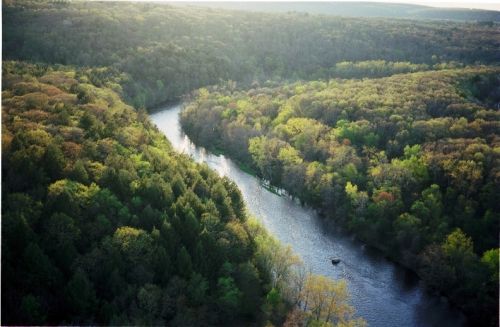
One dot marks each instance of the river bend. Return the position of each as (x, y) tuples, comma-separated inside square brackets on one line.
[(382, 292)]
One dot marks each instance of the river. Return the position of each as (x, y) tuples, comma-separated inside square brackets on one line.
[(383, 293)]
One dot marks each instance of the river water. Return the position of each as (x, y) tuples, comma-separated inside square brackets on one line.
[(383, 293)]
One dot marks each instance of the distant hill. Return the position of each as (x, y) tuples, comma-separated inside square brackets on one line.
[(362, 9)]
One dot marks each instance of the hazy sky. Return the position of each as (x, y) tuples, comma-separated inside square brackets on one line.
[(491, 5)]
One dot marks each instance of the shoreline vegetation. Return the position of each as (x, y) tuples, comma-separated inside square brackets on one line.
[(391, 159), (389, 126), (245, 167), (103, 222)]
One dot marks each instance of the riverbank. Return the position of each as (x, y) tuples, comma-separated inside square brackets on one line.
[(383, 293)]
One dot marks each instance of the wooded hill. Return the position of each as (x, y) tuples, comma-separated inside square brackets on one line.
[(361, 9), (409, 163), (157, 52), (102, 223)]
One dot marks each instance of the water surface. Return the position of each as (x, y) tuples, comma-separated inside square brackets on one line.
[(383, 293)]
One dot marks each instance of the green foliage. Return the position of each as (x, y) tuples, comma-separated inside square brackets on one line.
[(166, 51), (375, 68), (229, 294), (184, 264), (405, 162), (102, 223), (80, 294), (98, 210), (490, 259), (32, 310)]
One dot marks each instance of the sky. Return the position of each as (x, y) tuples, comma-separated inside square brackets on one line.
[(484, 4)]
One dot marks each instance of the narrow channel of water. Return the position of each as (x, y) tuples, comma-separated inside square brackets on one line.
[(382, 292)]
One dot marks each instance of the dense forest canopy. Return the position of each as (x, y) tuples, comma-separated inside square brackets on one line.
[(103, 223), (361, 9), (158, 52), (389, 127), (409, 163)]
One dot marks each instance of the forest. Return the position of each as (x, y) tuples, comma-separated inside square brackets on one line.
[(103, 223), (388, 127), (362, 9), (157, 53), (408, 163)]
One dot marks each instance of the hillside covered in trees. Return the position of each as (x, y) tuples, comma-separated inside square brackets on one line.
[(388, 127), (103, 223), (361, 9), (409, 163), (159, 52)]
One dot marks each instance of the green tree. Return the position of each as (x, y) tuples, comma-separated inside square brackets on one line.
[(184, 263), (229, 296), (490, 260), (80, 294), (149, 297), (197, 289), (32, 310), (54, 161), (79, 173), (60, 236)]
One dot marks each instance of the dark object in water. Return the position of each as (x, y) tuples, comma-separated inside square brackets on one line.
[(335, 261)]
